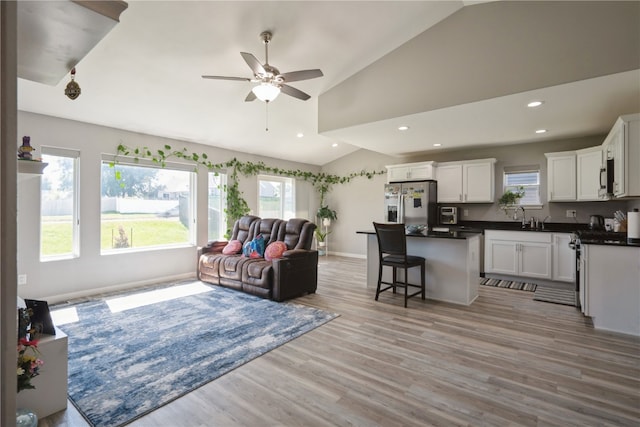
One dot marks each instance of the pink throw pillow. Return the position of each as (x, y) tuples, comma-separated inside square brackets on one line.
[(275, 250), (233, 247)]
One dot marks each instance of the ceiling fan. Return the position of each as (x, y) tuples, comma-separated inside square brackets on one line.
[(272, 82)]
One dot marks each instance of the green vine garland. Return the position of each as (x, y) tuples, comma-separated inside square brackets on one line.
[(236, 205)]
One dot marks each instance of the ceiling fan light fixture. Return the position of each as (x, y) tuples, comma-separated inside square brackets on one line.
[(266, 92)]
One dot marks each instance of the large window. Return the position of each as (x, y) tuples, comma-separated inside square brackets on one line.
[(59, 216), (216, 206), (529, 180), (276, 197), (146, 206)]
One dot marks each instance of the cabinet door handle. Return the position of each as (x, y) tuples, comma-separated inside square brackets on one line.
[(460, 197)]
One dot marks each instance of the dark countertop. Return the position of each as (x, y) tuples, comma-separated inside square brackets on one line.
[(551, 227), (623, 243), (466, 229), (436, 234)]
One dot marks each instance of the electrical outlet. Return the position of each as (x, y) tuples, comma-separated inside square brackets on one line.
[(571, 213), (466, 212), (22, 279)]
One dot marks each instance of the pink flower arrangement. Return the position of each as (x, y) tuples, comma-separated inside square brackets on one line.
[(28, 363)]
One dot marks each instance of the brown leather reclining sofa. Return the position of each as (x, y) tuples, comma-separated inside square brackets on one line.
[(292, 275)]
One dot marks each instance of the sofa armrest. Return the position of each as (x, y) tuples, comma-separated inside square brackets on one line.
[(296, 253), (295, 274), (214, 246)]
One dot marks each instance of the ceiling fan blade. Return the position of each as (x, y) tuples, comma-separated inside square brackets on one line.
[(295, 76), (292, 91), (244, 79), (253, 63), (250, 97)]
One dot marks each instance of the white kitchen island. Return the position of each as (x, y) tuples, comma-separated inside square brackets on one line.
[(452, 264)]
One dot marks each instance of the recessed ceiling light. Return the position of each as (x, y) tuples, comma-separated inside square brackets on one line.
[(300, 134), (533, 104), (403, 127), (541, 131), (437, 145), (335, 144)]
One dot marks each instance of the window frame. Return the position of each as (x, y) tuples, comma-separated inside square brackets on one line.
[(74, 155), (222, 224), (146, 163), (283, 182), (523, 170)]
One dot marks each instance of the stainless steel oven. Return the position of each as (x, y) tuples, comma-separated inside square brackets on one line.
[(574, 244)]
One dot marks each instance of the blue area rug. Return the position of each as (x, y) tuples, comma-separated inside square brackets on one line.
[(131, 355)]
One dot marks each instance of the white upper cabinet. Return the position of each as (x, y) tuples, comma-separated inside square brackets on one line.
[(478, 181), (470, 181), (410, 172), (588, 163), (561, 176), (623, 145), (449, 177)]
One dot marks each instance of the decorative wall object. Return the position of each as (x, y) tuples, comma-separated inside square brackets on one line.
[(73, 89)]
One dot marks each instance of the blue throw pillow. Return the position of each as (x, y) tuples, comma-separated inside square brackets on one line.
[(254, 248)]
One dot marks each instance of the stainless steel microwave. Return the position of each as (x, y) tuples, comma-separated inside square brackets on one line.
[(448, 215)]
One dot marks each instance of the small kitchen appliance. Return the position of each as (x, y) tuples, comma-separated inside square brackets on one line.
[(448, 215), (596, 222)]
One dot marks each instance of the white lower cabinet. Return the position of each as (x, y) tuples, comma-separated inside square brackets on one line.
[(518, 253), (564, 258), (610, 287)]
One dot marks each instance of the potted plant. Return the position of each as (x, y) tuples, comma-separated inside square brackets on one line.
[(326, 215), (510, 199), (321, 237)]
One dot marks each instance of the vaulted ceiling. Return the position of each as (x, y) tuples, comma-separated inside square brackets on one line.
[(457, 73)]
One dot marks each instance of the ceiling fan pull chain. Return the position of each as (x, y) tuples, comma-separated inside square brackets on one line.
[(266, 120)]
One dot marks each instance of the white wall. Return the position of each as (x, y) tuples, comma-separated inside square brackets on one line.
[(93, 272)]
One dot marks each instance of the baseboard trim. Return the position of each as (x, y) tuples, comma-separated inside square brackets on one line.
[(347, 255), (61, 298)]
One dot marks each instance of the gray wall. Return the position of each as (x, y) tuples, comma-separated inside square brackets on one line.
[(360, 202), (541, 43), (92, 272)]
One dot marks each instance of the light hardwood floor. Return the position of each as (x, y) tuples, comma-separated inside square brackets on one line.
[(504, 360)]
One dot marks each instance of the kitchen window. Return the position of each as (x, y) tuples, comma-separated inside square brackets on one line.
[(527, 178)]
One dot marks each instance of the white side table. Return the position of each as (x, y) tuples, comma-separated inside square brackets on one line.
[(50, 393)]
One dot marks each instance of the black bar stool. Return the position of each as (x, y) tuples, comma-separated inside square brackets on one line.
[(392, 252)]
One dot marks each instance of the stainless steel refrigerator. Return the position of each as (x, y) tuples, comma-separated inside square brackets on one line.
[(411, 203)]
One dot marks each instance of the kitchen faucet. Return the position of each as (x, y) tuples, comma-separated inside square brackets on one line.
[(545, 218), (524, 216)]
